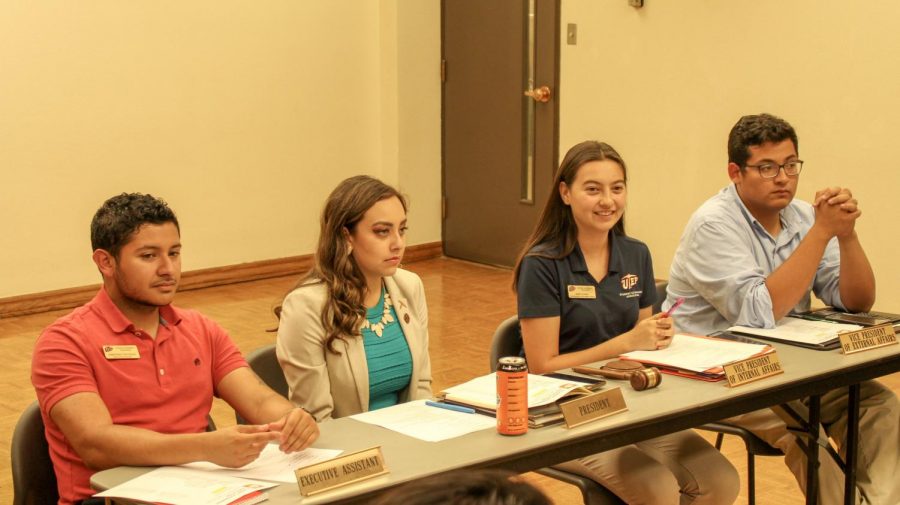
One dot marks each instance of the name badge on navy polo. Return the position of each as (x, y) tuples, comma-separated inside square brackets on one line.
[(582, 292), (121, 352)]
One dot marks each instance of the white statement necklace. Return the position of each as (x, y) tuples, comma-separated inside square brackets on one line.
[(386, 318)]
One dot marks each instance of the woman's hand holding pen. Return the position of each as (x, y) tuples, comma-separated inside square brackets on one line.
[(665, 326), (652, 333), (665, 330)]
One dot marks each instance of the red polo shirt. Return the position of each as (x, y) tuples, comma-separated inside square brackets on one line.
[(168, 389)]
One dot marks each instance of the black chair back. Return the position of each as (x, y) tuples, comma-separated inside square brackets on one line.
[(34, 481), (507, 341), (264, 363), (660, 295)]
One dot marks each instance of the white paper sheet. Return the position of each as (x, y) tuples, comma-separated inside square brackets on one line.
[(794, 329), (178, 485), (697, 354), (272, 464), (431, 424)]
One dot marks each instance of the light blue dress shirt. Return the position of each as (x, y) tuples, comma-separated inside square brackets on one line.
[(724, 257)]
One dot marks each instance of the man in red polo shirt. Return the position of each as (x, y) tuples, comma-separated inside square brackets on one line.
[(128, 379)]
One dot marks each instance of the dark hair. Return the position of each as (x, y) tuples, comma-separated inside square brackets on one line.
[(484, 487), (122, 215), (556, 226), (756, 130), (344, 311)]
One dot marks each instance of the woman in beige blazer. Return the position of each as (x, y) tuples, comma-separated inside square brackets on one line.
[(355, 294)]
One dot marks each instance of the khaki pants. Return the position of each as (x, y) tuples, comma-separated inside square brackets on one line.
[(677, 469), (878, 450)]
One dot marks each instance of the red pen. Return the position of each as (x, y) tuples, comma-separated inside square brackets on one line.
[(677, 304)]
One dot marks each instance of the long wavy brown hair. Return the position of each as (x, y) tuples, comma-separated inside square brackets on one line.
[(556, 226), (333, 264)]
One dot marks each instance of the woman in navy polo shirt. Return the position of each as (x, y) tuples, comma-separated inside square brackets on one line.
[(585, 294)]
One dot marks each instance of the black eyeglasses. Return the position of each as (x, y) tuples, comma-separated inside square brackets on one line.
[(770, 170)]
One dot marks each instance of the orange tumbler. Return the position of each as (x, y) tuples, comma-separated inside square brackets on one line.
[(512, 396)]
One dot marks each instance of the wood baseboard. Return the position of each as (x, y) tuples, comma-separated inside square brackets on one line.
[(195, 279), (423, 252)]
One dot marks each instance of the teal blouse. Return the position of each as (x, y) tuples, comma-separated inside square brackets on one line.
[(387, 356)]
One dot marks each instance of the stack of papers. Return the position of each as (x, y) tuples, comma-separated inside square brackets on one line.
[(698, 357), (272, 464), (177, 485), (204, 483), (802, 332)]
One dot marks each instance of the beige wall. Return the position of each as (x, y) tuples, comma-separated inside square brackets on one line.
[(242, 115), (664, 84)]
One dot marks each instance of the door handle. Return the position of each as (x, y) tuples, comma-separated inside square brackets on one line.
[(541, 94)]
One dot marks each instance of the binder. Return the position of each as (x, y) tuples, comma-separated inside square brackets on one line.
[(545, 414), (810, 333), (697, 357), (861, 318)]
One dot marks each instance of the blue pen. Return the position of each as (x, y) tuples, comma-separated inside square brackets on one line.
[(457, 408)]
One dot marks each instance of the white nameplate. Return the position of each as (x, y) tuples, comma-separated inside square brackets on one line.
[(867, 338), (340, 471), (121, 352), (752, 369), (581, 292), (593, 406)]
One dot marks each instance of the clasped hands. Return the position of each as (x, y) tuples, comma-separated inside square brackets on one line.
[(836, 211)]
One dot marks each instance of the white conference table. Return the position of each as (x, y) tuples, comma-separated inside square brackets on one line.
[(678, 403)]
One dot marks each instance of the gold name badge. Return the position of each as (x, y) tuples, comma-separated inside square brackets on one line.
[(591, 407), (752, 369), (582, 292), (340, 471), (121, 352), (867, 338)]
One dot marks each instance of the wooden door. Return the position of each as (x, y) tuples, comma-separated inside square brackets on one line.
[(495, 181)]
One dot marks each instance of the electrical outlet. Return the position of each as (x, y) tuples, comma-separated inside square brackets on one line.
[(571, 34)]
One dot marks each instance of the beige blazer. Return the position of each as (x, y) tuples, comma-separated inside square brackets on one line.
[(331, 385)]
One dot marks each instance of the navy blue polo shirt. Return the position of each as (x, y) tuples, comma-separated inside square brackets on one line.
[(548, 287)]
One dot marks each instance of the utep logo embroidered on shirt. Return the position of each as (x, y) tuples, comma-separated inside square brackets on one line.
[(629, 281)]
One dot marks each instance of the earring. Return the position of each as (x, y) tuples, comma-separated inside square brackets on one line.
[(349, 250)]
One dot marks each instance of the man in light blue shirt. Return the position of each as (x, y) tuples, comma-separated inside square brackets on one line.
[(751, 255)]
